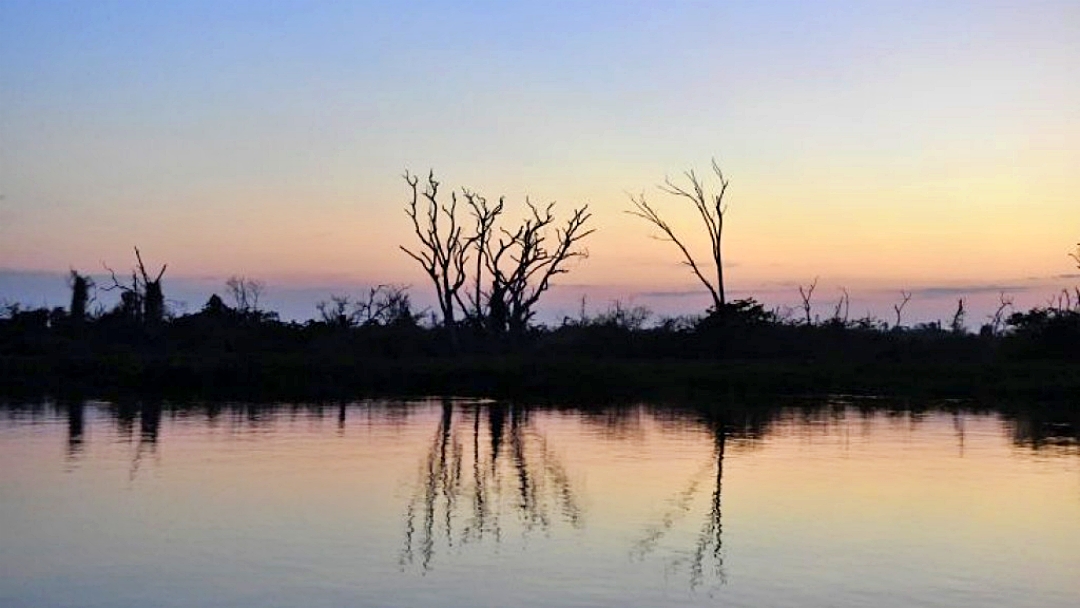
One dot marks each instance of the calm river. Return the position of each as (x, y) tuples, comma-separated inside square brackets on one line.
[(465, 503)]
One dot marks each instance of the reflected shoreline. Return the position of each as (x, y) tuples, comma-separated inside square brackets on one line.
[(1034, 425), (482, 479)]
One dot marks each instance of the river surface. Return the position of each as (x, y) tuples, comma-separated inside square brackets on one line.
[(464, 503)]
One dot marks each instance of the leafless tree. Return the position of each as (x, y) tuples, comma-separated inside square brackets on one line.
[(245, 293), (842, 310), (899, 308), (806, 295), (1076, 256), (484, 217), (444, 247), (383, 305), (957, 323), (511, 268), (143, 299), (711, 209), (522, 265), (997, 320)]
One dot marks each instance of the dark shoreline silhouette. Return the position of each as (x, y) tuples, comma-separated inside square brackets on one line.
[(223, 352)]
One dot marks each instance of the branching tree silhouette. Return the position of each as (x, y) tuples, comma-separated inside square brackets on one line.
[(806, 295), (387, 305), (444, 247), (899, 308), (245, 293), (711, 208), (515, 266), (143, 300), (842, 310), (485, 217), (522, 265), (1076, 256)]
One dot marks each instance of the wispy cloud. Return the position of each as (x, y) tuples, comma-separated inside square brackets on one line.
[(676, 293), (952, 291)]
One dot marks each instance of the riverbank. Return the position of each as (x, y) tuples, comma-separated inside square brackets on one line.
[(298, 376)]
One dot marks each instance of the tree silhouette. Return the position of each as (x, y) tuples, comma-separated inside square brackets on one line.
[(511, 269), (143, 300), (444, 247), (711, 208), (80, 297)]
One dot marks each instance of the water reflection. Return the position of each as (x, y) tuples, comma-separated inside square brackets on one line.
[(705, 559), (751, 504), (483, 462)]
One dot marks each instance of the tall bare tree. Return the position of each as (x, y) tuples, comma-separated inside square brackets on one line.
[(444, 247), (711, 208)]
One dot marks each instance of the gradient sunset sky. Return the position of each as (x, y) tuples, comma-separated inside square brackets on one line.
[(928, 146)]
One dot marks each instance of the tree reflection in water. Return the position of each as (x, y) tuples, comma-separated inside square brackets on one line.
[(76, 423), (149, 413), (486, 462), (706, 557)]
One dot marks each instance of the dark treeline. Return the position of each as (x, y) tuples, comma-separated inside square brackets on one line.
[(378, 343), (483, 338)]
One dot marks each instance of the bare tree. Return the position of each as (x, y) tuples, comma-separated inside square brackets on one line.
[(806, 296), (143, 300), (1076, 256), (842, 310), (515, 266), (711, 209), (485, 218), (997, 320), (245, 293), (899, 308), (522, 265), (957, 323), (384, 305), (444, 248)]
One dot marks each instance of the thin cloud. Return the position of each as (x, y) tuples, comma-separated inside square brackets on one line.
[(950, 291), (678, 293)]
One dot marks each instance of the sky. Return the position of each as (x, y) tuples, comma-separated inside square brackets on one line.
[(931, 147)]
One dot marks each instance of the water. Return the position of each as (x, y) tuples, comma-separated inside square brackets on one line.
[(462, 503)]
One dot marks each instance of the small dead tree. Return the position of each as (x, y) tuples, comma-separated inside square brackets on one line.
[(711, 209), (899, 308), (957, 323), (142, 301), (806, 295), (245, 293), (842, 310), (384, 305), (997, 320), (1076, 256)]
